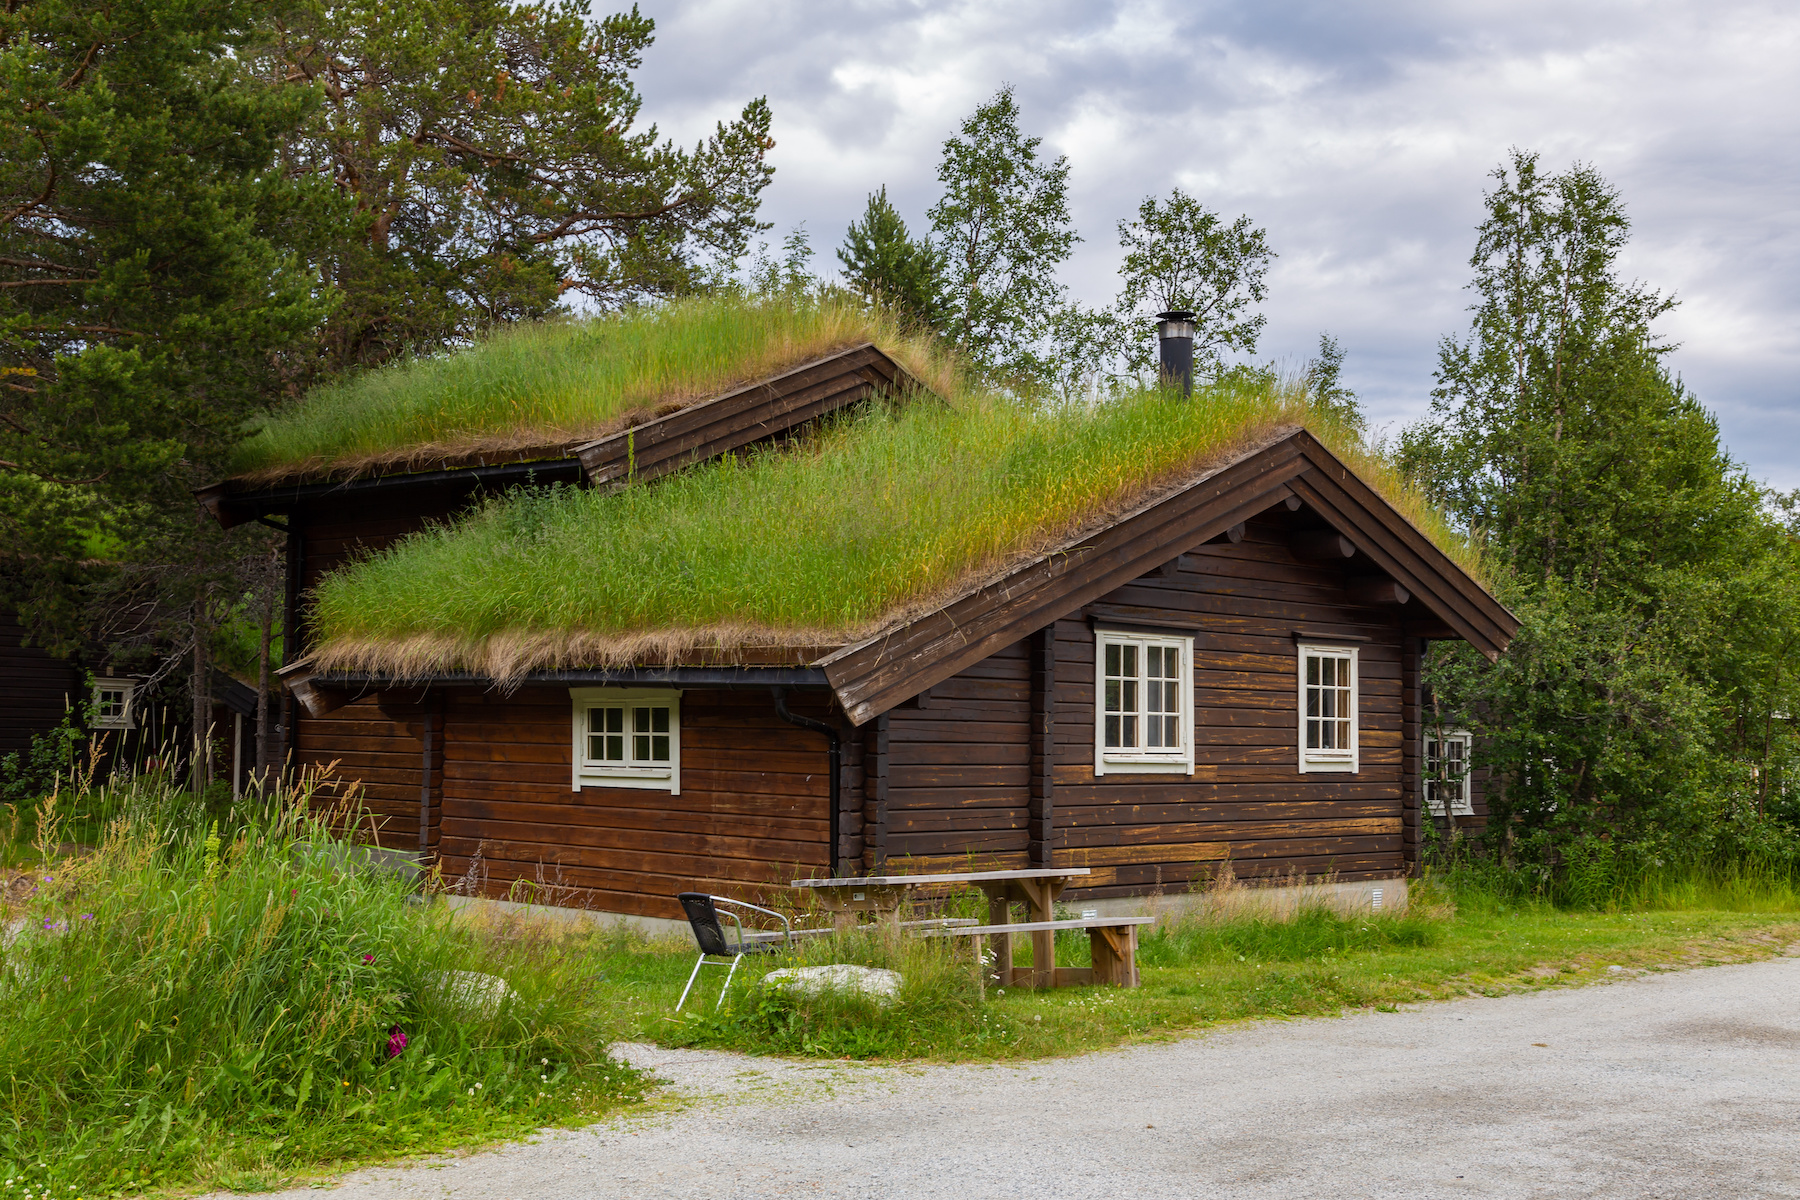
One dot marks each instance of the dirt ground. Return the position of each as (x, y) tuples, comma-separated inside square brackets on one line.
[(1682, 1084)]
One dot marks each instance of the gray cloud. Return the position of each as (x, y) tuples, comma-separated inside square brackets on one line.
[(1360, 136)]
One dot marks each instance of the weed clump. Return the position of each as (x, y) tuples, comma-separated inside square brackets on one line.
[(229, 1002)]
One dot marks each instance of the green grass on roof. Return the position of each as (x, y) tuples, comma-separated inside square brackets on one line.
[(528, 387), (882, 514)]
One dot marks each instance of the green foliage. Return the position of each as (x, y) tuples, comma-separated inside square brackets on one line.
[(884, 264), (1002, 226), (1324, 383), (1637, 709), (491, 153), (896, 508), (28, 776), (204, 1002), (1181, 256), (147, 296), (537, 384)]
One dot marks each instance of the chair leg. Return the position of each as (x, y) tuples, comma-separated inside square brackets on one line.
[(735, 960), (692, 975)]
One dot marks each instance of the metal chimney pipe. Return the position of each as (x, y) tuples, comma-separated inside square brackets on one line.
[(1175, 332)]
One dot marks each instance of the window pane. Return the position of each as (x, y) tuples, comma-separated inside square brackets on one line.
[(1112, 660), (659, 720), (615, 747), (1130, 740), (1312, 670), (1128, 659), (659, 747), (1112, 733), (1112, 695)]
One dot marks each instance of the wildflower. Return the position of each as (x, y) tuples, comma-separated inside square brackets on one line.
[(543, 1062), (368, 958), (346, 1083), (396, 1041), (85, 917)]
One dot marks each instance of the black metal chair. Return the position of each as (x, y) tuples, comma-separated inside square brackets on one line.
[(703, 915)]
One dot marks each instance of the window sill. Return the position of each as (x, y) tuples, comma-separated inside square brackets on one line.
[(1145, 766), (1336, 766), (649, 780)]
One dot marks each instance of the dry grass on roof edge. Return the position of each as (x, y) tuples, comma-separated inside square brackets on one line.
[(508, 657), (921, 354)]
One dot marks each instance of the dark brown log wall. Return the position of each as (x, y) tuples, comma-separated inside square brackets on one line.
[(35, 688), (751, 814), (960, 784), (378, 747)]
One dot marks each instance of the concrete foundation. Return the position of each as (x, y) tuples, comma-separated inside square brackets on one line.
[(1278, 902)]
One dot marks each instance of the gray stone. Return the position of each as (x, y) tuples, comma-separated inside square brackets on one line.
[(837, 977), (472, 992)]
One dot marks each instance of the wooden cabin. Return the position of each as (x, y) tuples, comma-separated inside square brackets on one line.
[(1224, 677)]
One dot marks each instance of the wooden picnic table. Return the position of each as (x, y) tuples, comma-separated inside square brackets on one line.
[(1036, 887)]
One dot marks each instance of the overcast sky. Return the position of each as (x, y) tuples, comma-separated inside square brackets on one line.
[(1358, 135)]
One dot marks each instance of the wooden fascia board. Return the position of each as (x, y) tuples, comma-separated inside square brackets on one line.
[(872, 676), (748, 414), (1379, 531)]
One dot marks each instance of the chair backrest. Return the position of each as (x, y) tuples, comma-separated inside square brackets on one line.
[(703, 915)]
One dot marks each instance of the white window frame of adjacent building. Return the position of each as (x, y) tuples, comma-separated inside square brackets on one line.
[(1461, 802), (1324, 730), (637, 764), (111, 706), (1123, 736)]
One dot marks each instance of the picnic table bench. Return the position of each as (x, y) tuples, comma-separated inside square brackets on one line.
[(1113, 941), (1114, 938)]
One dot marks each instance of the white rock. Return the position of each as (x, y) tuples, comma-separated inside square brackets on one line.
[(472, 991), (838, 977)]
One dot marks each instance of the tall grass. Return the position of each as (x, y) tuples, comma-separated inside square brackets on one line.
[(533, 385), (881, 513), (1589, 878), (201, 1003)]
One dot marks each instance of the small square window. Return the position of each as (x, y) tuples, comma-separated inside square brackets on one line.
[(1145, 715), (1328, 687), (110, 707), (627, 738)]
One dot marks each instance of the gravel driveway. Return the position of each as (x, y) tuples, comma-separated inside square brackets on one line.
[(1678, 1085)]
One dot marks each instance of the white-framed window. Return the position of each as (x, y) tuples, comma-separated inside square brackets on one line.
[(1447, 773), (1144, 703), (1328, 688), (627, 737), (111, 705)]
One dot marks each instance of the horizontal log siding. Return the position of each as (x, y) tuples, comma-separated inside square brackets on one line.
[(36, 688), (752, 813), (374, 750), (959, 770), (378, 746), (1246, 803)]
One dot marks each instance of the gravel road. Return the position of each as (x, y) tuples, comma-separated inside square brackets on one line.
[(1669, 1085)]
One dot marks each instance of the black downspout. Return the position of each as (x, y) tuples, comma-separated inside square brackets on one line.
[(834, 754)]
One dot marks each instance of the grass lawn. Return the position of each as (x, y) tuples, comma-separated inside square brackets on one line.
[(1194, 976)]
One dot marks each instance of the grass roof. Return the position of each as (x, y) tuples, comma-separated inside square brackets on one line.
[(532, 389), (882, 515)]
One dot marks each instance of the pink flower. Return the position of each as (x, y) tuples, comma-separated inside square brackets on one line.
[(396, 1041), (368, 958)]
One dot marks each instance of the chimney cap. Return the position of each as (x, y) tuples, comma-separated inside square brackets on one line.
[(1174, 325)]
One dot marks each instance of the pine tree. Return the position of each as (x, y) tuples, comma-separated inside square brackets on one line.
[(883, 263), (492, 155)]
